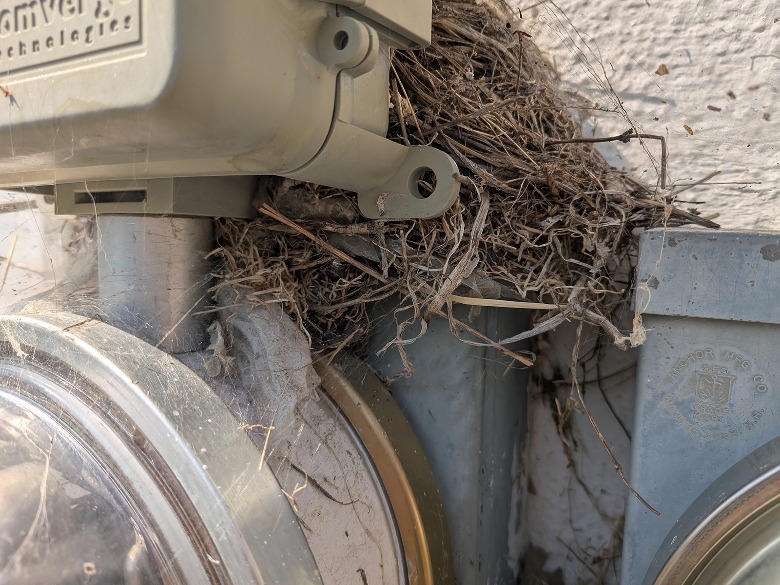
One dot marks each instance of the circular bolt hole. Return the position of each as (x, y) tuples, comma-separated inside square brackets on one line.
[(341, 40), (422, 183)]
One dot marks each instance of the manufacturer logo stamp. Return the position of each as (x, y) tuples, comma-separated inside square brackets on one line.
[(715, 393), (41, 32)]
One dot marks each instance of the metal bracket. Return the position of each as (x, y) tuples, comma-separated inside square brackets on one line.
[(383, 173)]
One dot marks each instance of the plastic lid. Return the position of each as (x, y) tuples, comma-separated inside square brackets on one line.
[(63, 517)]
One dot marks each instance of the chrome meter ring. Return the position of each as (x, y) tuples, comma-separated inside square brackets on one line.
[(165, 449), (731, 534)]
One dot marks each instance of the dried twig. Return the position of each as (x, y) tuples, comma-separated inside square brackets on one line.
[(500, 346), (504, 304), (594, 424), (625, 138), (8, 261), (271, 212)]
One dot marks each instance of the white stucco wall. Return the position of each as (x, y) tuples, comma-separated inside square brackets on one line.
[(723, 60)]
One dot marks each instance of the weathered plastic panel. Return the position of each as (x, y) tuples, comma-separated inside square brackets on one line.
[(708, 376), (160, 88)]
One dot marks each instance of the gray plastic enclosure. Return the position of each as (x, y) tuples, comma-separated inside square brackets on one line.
[(467, 405), (102, 90), (708, 376)]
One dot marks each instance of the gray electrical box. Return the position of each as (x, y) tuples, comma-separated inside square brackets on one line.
[(467, 405), (708, 375), (129, 90)]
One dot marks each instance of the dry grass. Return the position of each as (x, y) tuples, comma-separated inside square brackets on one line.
[(535, 221)]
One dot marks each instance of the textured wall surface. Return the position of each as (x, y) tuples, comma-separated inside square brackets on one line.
[(723, 83)]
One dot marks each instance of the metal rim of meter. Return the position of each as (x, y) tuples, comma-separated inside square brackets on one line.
[(401, 464), (731, 534), (156, 435)]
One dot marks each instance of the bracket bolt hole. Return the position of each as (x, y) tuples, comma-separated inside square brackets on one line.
[(422, 183), (341, 40)]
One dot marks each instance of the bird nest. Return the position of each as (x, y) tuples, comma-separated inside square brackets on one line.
[(542, 220)]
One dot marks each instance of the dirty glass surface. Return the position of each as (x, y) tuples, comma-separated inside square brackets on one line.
[(64, 517)]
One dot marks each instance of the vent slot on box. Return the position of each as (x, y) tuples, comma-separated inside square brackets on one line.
[(98, 197)]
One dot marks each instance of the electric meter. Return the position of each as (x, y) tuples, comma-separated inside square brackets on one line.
[(100, 91)]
